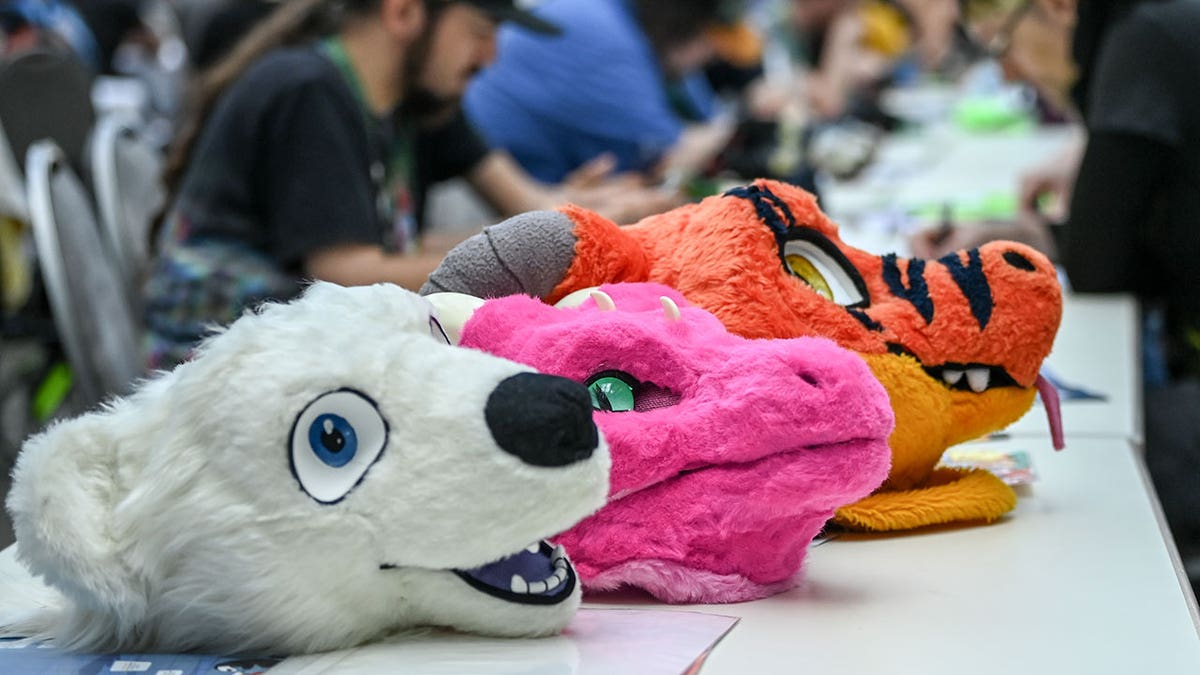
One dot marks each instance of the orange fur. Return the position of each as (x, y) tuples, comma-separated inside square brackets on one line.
[(722, 255)]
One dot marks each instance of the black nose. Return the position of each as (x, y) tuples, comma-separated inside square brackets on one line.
[(543, 419)]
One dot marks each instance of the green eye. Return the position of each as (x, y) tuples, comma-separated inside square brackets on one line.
[(612, 391)]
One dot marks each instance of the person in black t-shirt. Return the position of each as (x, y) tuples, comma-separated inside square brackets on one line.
[(1130, 68), (309, 150)]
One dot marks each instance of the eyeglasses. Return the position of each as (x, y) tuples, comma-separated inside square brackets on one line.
[(972, 11)]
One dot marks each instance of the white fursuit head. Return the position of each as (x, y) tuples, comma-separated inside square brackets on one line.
[(322, 473)]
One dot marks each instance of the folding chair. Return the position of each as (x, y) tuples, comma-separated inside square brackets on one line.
[(46, 94), (94, 317), (129, 192)]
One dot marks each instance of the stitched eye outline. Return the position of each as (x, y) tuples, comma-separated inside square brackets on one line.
[(807, 250), (328, 471), (613, 391)]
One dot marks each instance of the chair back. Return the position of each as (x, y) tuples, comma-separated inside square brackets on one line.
[(127, 178), (46, 94), (96, 322)]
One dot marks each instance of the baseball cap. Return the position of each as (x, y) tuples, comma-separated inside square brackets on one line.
[(511, 11)]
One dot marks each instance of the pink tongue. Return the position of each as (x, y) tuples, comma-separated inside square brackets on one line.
[(1049, 397)]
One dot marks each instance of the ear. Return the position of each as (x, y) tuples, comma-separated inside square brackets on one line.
[(404, 19), (64, 491)]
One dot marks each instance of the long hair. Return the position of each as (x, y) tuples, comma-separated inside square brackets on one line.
[(294, 22)]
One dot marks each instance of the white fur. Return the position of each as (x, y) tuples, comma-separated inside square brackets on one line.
[(171, 520)]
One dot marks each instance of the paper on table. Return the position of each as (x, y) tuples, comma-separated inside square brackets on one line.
[(598, 642), (32, 658)]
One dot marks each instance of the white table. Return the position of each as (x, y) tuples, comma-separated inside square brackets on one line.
[(1097, 349), (939, 164), (1097, 346), (1077, 580)]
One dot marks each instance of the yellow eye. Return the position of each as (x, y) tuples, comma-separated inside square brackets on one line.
[(803, 268), (823, 268)]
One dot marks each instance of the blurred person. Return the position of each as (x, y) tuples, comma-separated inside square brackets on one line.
[(1130, 194), (113, 22), (933, 28), (626, 79), (309, 151), (844, 47), (56, 24), (211, 29)]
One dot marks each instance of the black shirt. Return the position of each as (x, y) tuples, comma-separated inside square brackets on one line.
[(285, 162), (1134, 224)]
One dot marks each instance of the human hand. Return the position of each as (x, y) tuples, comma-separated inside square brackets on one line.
[(935, 242), (592, 172), (631, 205), (1046, 191), (621, 197)]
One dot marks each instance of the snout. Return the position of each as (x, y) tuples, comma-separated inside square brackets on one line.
[(544, 420)]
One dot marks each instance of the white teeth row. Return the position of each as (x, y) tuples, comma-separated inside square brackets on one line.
[(520, 585), (977, 378)]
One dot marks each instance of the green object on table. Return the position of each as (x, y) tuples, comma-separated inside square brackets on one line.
[(992, 206), (988, 114), (51, 392)]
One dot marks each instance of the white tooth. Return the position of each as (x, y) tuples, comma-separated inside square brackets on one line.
[(560, 553), (534, 548), (552, 583), (952, 376), (978, 378), (560, 574), (518, 584), (537, 587)]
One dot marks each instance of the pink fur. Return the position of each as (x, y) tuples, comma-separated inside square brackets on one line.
[(727, 487), (679, 584)]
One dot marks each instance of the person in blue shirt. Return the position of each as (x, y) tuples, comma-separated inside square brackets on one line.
[(625, 79)]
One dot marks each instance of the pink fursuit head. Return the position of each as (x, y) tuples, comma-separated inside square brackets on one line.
[(728, 454)]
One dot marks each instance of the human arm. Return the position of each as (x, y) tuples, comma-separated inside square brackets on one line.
[(621, 198), (1046, 188), (844, 66), (1110, 202), (363, 264)]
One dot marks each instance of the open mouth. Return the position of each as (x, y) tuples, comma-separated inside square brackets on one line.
[(973, 377), (980, 377), (976, 377), (537, 575)]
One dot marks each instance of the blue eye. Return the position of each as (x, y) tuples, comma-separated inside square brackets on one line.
[(333, 440)]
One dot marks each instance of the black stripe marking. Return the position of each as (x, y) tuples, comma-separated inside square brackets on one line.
[(865, 320), (917, 291), (973, 283), (767, 214)]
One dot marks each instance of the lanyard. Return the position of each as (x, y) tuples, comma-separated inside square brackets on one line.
[(390, 145)]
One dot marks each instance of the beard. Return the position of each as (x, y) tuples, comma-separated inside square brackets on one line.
[(421, 105), (426, 108)]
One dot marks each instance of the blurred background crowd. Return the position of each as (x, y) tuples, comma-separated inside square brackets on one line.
[(166, 164)]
